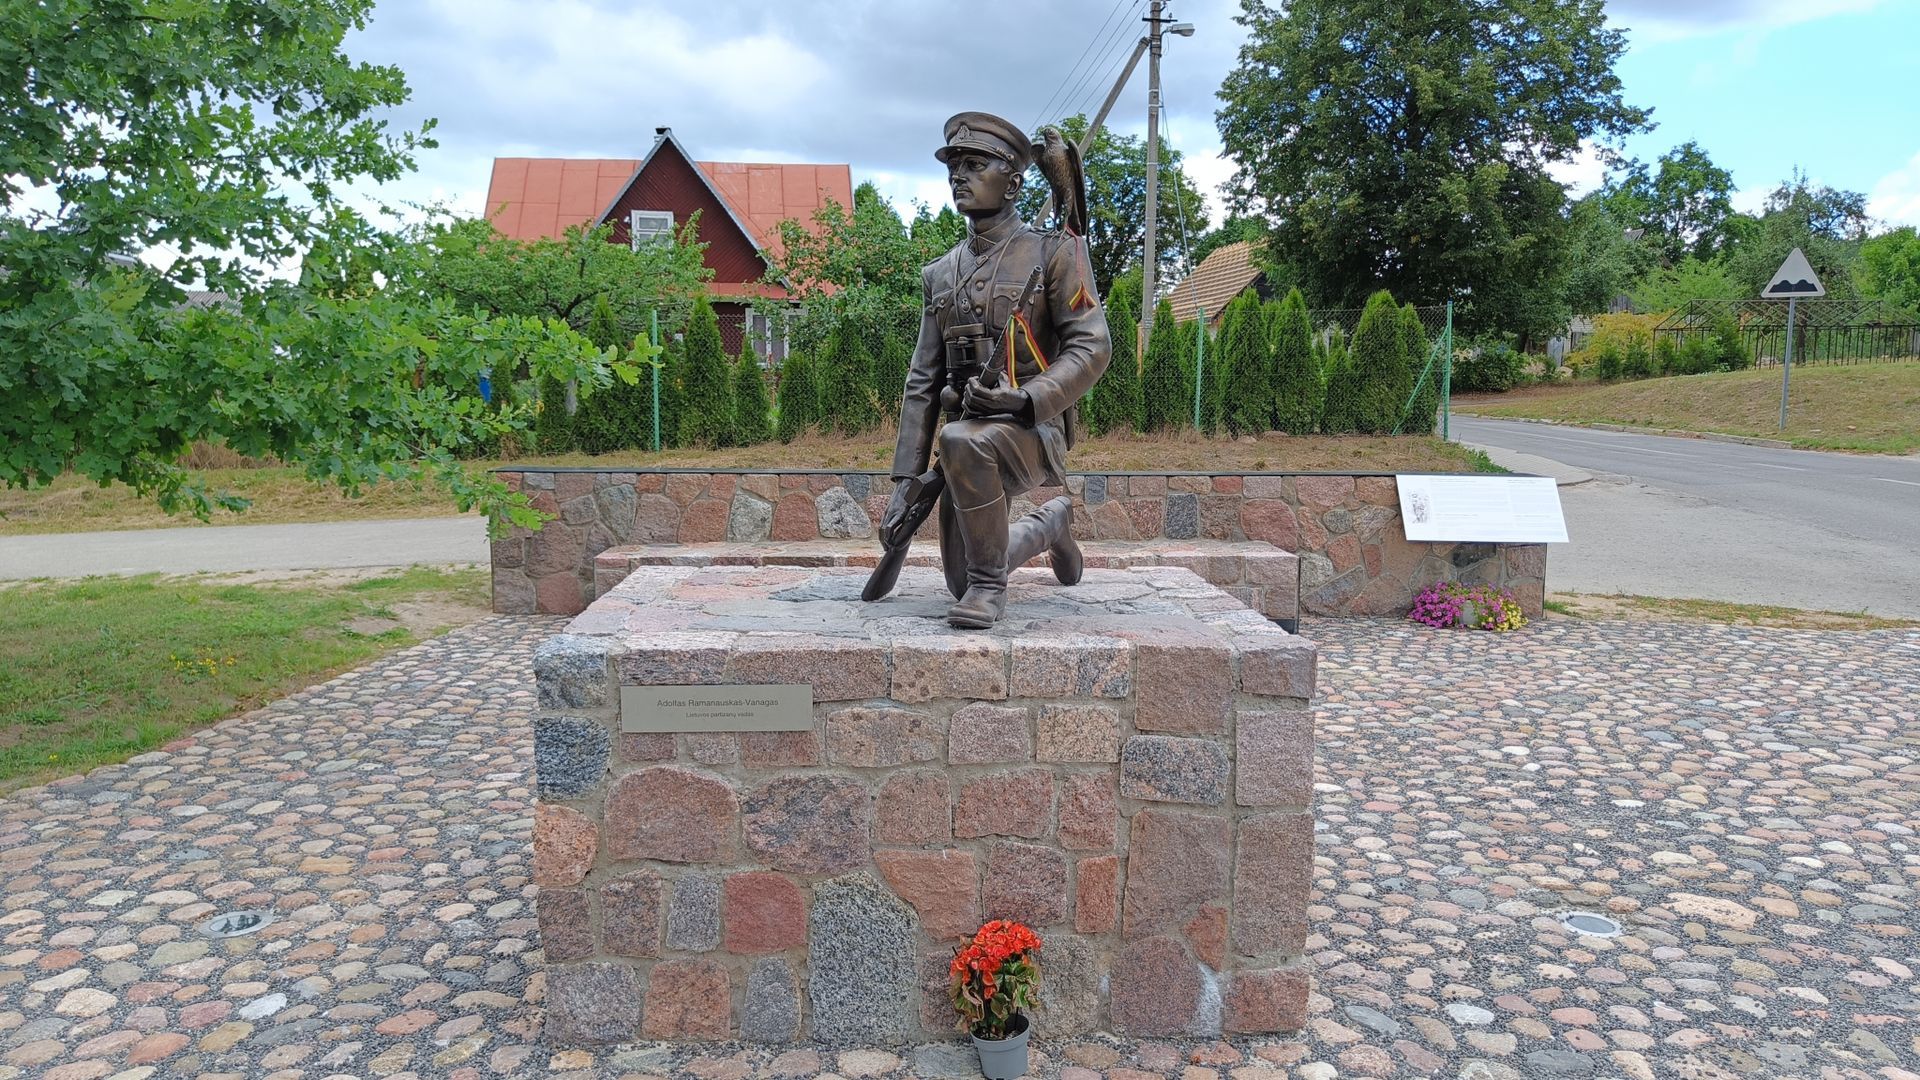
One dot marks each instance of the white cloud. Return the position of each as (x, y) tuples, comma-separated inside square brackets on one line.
[(1584, 173), (866, 82), (1652, 21), (1210, 170), (1750, 200), (1895, 198)]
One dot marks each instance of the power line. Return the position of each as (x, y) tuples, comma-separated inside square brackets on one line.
[(1100, 85), (1179, 200), (1089, 82), (1095, 36)]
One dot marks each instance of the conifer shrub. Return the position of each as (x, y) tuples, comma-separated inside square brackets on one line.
[(706, 390), (1366, 394), (1114, 404), (1299, 385), (799, 397), (1163, 404), (552, 423), (1421, 418), (1246, 367), (752, 420)]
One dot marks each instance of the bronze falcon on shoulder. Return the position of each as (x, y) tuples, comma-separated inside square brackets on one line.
[(1059, 161)]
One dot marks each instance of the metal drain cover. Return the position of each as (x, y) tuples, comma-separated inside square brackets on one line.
[(235, 923), (1586, 922)]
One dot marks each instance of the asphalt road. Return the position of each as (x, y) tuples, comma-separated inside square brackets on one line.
[(427, 541), (1667, 516)]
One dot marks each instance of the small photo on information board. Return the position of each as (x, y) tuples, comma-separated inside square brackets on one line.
[(1481, 509)]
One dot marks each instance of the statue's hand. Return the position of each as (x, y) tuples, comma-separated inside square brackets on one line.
[(983, 400), (896, 505)]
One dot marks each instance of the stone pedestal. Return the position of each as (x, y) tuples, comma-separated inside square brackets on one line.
[(1125, 765)]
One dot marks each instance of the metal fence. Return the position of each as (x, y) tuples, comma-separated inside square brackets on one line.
[(1825, 331), (848, 380)]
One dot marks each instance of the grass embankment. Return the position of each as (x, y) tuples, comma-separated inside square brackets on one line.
[(281, 495), (1865, 408), (102, 669), (1172, 452)]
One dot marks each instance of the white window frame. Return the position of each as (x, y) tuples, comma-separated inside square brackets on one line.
[(649, 227)]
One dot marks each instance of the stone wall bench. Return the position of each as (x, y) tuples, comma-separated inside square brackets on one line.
[(1257, 574), (1354, 558), (1125, 764)]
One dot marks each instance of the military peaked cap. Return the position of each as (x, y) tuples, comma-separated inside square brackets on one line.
[(987, 134)]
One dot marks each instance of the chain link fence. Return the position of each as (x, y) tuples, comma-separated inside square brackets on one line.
[(1380, 370)]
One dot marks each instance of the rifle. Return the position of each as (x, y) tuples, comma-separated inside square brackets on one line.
[(896, 533)]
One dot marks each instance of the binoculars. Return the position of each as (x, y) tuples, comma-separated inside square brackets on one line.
[(969, 351)]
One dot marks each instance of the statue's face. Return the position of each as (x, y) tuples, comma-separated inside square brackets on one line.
[(982, 184)]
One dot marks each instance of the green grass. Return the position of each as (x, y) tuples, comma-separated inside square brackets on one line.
[(102, 669), (1864, 408), (1560, 607)]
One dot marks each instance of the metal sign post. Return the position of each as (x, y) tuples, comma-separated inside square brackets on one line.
[(1793, 280), (1786, 362)]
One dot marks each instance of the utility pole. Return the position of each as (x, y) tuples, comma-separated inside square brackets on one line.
[(1153, 173)]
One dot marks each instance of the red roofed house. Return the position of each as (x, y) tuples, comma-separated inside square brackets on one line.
[(740, 207)]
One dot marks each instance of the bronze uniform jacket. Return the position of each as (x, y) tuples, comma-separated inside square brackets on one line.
[(1069, 327)]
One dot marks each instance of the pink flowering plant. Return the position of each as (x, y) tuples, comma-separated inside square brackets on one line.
[(1474, 607)]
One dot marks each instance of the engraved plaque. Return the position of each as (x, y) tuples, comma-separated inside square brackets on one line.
[(716, 708)]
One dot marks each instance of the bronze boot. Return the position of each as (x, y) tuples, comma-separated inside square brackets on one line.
[(985, 529), (1064, 551)]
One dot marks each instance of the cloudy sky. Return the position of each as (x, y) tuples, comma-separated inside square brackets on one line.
[(1764, 85)]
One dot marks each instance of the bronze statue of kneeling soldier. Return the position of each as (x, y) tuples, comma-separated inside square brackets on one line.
[(1012, 335)]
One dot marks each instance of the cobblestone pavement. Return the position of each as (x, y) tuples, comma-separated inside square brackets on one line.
[(1742, 800)]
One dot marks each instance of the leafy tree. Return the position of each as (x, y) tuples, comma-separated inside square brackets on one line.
[(707, 397), (936, 232), (1366, 394), (228, 130), (1406, 145), (1299, 385), (1602, 262), (1116, 171), (752, 419), (565, 278), (1668, 288), (1826, 223), (1890, 268), (1246, 365), (1683, 206), (859, 266), (1419, 418), (799, 397), (1164, 404), (1235, 229)]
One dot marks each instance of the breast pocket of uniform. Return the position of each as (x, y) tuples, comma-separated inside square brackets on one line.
[(1006, 299), (940, 306)]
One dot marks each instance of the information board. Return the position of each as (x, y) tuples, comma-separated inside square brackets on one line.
[(716, 708), (1481, 509)]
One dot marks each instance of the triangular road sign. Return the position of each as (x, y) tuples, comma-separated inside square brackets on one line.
[(1795, 278)]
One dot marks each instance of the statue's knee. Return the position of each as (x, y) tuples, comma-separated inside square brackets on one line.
[(959, 441)]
